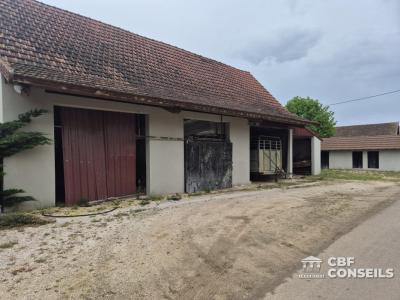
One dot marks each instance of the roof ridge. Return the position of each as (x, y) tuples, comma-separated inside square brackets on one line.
[(364, 136), (139, 35), (370, 124)]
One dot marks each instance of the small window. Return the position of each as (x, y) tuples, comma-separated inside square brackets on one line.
[(205, 130), (357, 160), (325, 159), (373, 159)]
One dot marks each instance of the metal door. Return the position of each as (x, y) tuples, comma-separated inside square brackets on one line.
[(208, 165)]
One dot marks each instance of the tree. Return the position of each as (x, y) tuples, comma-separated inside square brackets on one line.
[(12, 141), (313, 110)]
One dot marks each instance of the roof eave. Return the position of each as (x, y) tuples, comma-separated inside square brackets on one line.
[(143, 100), (360, 149), (6, 70)]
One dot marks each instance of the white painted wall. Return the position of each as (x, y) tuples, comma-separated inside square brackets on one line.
[(31, 170), (240, 138), (290, 154), (315, 156), (340, 160), (389, 160), (365, 160), (34, 170)]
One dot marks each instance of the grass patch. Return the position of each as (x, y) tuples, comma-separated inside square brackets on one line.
[(155, 197), (175, 197), (12, 220), (253, 187), (356, 175), (82, 208), (144, 202), (121, 214), (196, 194), (8, 245), (135, 211)]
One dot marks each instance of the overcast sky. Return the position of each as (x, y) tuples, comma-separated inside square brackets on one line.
[(329, 50)]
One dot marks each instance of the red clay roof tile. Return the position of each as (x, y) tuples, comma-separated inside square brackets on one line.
[(368, 129), (378, 142), (46, 46)]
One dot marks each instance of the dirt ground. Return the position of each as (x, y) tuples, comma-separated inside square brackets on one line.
[(227, 246)]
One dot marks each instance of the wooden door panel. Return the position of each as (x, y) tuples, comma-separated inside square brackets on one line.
[(84, 155), (99, 152), (120, 141)]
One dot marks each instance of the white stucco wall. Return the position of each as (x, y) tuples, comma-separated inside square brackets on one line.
[(31, 170), (340, 160), (389, 160), (34, 170), (365, 160), (315, 156), (289, 170), (240, 138)]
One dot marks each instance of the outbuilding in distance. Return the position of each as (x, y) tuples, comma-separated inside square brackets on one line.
[(365, 147)]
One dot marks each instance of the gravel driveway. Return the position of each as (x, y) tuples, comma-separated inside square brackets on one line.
[(227, 246)]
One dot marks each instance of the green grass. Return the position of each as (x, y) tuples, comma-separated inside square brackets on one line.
[(122, 214), (175, 197), (156, 197), (11, 220), (144, 202), (357, 175)]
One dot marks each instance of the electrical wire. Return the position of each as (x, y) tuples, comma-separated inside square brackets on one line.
[(363, 98)]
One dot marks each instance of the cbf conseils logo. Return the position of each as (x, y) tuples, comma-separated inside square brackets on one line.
[(311, 267), (341, 267)]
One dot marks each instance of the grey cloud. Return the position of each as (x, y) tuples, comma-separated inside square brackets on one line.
[(288, 45), (357, 67), (365, 59)]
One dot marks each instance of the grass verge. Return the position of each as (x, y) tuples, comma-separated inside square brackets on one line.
[(357, 175), (11, 220)]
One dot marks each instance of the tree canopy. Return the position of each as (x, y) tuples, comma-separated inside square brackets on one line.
[(313, 110)]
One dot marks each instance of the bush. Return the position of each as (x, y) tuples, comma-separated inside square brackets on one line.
[(21, 219)]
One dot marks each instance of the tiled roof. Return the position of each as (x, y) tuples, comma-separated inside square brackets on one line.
[(304, 132), (378, 142), (52, 48), (368, 130)]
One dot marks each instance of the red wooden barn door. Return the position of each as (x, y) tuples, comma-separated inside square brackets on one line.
[(120, 141), (99, 151)]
